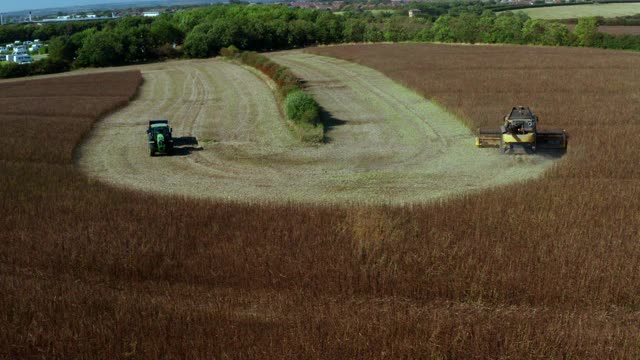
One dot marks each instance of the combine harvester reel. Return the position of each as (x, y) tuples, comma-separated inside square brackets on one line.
[(519, 134)]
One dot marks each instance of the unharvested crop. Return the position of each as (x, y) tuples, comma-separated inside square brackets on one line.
[(569, 240)]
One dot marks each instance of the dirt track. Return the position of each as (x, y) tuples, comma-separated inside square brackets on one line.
[(386, 144)]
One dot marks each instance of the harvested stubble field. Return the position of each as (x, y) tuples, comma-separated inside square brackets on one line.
[(548, 268), (386, 143)]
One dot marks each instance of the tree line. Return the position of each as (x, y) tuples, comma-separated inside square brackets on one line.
[(202, 32)]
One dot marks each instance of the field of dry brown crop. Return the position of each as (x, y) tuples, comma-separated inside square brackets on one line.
[(548, 268)]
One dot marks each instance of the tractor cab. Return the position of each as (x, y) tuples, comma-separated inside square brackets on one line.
[(159, 136)]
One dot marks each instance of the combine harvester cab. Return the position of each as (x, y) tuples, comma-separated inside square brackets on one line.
[(159, 136), (519, 135)]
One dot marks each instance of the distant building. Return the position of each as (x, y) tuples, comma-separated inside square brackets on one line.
[(151, 13), (91, 16), (414, 12)]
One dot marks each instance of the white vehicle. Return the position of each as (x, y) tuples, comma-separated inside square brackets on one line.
[(20, 57), (23, 59)]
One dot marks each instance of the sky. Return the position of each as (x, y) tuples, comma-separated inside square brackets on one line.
[(15, 5)]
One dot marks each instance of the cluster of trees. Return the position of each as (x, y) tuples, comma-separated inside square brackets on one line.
[(202, 32), (269, 28), (509, 28), (518, 28), (12, 32), (126, 41)]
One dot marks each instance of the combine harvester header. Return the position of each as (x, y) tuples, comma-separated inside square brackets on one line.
[(519, 134)]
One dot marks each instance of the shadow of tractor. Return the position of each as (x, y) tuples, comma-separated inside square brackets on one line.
[(185, 145)]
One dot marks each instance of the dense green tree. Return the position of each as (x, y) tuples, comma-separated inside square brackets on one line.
[(100, 49), (166, 32), (329, 28), (354, 30), (61, 48), (441, 29), (587, 31), (425, 34), (464, 28), (484, 26), (226, 32), (280, 31), (557, 34), (196, 45), (394, 30), (301, 33), (372, 33), (507, 28), (533, 31)]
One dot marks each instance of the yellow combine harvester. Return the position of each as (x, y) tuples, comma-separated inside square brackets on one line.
[(519, 135)]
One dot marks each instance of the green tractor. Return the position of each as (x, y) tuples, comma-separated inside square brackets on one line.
[(160, 140)]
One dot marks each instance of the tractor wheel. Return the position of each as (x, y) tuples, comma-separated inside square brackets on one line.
[(151, 152)]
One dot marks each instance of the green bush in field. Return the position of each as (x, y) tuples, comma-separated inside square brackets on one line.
[(230, 52), (300, 107)]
